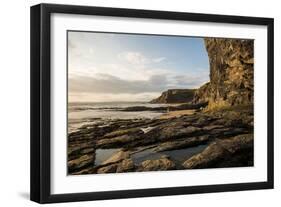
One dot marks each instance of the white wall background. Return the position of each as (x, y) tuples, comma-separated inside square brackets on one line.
[(14, 104)]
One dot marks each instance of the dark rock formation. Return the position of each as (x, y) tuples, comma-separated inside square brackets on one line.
[(143, 108), (108, 169), (187, 106), (127, 165), (183, 106), (180, 144), (81, 162), (159, 164), (175, 96), (231, 72), (222, 130), (232, 152)]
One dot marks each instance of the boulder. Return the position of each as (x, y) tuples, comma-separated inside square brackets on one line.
[(156, 165), (233, 152), (178, 131), (126, 165), (81, 162), (107, 169)]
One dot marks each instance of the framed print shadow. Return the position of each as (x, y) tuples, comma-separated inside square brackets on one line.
[(132, 103)]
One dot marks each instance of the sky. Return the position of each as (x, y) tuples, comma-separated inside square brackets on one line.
[(109, 67)]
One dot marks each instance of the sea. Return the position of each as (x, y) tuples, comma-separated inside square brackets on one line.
[(80, 114)]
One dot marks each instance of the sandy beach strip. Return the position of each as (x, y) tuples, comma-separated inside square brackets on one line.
[(178, 113)]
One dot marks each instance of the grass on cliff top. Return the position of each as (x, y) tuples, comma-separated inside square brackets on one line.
[(223, 107)]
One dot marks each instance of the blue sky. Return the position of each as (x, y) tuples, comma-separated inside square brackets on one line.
[(127, 67)]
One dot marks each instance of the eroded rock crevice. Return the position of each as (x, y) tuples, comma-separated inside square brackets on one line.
[(231, 73)]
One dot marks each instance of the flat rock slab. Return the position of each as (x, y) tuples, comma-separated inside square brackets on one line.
[(187, 142), (117, 157)]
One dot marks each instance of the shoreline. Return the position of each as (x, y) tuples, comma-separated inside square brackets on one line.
[(174, 114), (169, 137)]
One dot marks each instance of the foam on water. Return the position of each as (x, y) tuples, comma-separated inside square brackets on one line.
[(84, 113)]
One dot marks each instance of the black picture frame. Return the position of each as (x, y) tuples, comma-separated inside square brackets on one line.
[(41, 96)]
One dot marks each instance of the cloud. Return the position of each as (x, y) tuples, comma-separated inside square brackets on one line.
[(134, 58), (137, 58), (104, 83), (110, 97), (127, 65), (158, 60)]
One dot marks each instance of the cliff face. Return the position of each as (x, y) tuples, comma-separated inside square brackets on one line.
[(231, 72), (175, 96)]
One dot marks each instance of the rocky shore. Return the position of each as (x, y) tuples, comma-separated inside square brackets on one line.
[(224, 138)]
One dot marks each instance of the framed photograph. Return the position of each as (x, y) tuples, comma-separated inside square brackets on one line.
[(132, 103)]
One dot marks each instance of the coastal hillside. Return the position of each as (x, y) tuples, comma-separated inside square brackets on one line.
[(175, 96), (231, 73)]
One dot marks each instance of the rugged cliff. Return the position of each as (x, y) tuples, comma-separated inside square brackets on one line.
[(231, 73), (175, 96)]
